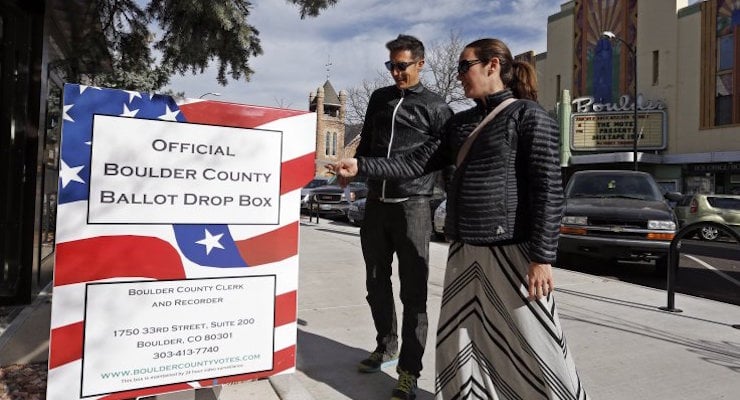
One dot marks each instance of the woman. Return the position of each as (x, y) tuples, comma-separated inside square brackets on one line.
[(499, 335)]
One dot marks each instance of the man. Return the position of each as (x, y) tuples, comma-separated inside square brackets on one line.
[(399, 118)]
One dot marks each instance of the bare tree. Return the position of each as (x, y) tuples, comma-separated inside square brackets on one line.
[(440, 76), (359, 96), (441, 61), (281, 102)]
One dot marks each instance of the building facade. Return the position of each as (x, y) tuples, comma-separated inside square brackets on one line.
[(683, 59), (330, 112), (36, 36)]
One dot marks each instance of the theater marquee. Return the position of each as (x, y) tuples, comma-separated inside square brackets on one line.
[(610, 127)]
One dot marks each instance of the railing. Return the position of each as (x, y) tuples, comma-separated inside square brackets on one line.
[(674, 253)]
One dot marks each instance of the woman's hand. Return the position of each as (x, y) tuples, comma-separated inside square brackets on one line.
[(540, 280), (344, 168)]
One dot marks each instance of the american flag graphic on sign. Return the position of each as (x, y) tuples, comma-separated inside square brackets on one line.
[(97, 253)]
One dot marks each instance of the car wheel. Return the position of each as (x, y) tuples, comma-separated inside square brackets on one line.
[(709, 232)]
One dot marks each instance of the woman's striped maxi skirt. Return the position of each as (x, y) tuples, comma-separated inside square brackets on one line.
[(492, 342)]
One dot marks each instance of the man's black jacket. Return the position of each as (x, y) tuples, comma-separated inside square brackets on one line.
[(399, 121)]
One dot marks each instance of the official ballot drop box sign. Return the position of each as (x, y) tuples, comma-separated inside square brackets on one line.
[(177, 243)]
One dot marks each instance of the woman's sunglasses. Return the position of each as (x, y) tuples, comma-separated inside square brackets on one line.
[(464, 65), (401, 66)]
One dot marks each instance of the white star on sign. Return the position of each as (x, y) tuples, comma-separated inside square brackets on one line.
[(67, 174), (211, 241), (66, 116), (132, 94), (128, 113), (84, 87), (169, 115)]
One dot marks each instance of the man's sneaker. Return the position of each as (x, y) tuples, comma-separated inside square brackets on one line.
[(377, 361), (405, 388)]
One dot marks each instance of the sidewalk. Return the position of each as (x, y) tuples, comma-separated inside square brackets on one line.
[(624, 347)]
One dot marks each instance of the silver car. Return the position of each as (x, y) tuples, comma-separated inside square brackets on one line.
[(356, 212), (438, 225), (723, 209)]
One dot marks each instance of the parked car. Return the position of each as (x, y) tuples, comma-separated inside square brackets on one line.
[(331, 199), (438, 196), (438, 222), (307, 190), (356, 212), (720, 208), (616, 215)]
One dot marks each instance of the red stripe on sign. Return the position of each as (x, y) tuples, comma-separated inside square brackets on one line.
[(236, 115), (283, 360), (65, 344), (296, 173), (270, 247), (285, 308), (116, 256)]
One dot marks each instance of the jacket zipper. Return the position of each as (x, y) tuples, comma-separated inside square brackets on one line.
[(393, 131)]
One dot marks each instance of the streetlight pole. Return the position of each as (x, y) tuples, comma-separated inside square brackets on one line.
[(211, 93), (632, 49)]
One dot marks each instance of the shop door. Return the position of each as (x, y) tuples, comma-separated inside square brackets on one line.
[(15, 38)]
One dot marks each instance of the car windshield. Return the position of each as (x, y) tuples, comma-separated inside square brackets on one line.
[(621, 186), (316, 183)]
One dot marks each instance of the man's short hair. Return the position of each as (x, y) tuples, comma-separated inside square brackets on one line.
[(407, 42)]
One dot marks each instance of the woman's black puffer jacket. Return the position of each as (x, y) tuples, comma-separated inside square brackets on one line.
[(508, 189)]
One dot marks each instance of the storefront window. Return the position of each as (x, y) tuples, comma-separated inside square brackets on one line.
[(734, 184), (700, 184)]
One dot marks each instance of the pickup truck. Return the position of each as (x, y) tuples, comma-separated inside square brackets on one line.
[(616, 215), (332, 200)]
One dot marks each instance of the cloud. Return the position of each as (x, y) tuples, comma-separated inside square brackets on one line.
[(352, 36)]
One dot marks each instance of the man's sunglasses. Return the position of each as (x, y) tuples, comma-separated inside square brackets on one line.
[(464, 66), (401, 66)]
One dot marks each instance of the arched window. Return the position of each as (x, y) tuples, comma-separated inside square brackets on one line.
[(327, 143), (334, 144)]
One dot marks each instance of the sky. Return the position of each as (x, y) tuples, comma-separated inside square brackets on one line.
[(352, 36)]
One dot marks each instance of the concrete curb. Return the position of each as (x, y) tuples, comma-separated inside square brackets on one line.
[(9, 333), (289, 387)]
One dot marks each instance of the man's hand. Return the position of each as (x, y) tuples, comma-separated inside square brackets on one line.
[(344, 168), (540, 280)]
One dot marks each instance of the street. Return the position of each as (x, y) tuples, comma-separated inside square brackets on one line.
[(706, 269), (709, 270)]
